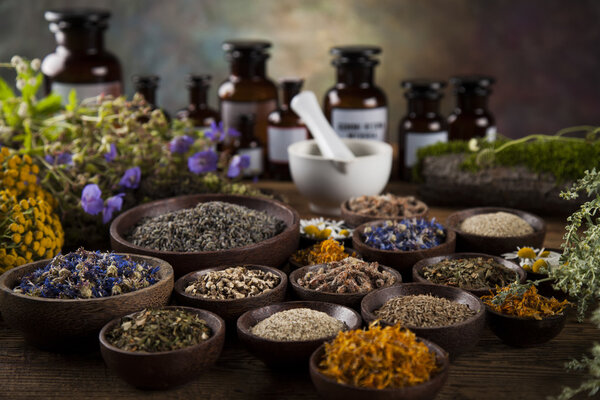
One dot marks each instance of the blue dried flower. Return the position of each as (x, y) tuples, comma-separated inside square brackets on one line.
[(406, 235), (181, 144), (91, 199), (237, 164), (114, 203), (131, 178), (203, 161), (63, 158), (112, 154), (217, 133)]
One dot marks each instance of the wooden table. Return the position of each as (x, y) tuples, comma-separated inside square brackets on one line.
[(491, 370)]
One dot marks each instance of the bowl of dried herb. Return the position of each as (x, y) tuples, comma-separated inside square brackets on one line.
[(450, 317), (321, 252), (163, 347), (362, 209)]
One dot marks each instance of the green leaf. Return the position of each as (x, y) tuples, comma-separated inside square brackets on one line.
[(5, 91), (72, 101), (9, 109), (49, 104), (29, 91)]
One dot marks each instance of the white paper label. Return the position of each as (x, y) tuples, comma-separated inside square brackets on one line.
[(86, 90), (280, 139), (256, 160), (490, 134), (370, 123), (413, 141)]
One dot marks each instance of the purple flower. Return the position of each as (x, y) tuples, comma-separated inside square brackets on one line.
[(112, 154), (61, 158), (113, 204), (131, 178), (203, 161), (237, 164), (217, 133), (91, 199), (181, 144)]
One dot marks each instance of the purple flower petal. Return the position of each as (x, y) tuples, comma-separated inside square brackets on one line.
[(131, 178), (181, 144), (61, 158), (214, 134), (112, 154), (237, 164), (203, 161), (91, 199), (114, 203), (49, 159), (233, 133)]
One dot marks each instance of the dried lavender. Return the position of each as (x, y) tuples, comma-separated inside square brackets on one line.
[(209, 226), (233, 283), (298, 324), (87, 274), (406, 235), (470, 273), (499, 224)]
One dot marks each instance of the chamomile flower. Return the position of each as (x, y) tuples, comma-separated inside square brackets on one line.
[(534, 260), (321, 229)]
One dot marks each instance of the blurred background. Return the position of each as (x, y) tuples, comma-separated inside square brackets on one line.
[(544, 54)]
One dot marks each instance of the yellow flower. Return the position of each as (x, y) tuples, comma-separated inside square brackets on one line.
[(20, 261), (41, 251), (35, 169), (36, 246), (8, 182), (526, 252), (20, 186), (16, 237), (27, 159), (3, 207), (538, 265), (28, 256), (4, 151), (544, 253), (14, 227), (10, 260), (28, 238)]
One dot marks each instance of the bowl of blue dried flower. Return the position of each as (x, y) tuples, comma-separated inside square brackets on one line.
[(62, 303)]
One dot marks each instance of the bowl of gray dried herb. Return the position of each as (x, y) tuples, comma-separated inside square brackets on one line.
[(201, 231), (162, 347), (450, 317), (286, 334), (495, 230), (64, 302), (230, 291)]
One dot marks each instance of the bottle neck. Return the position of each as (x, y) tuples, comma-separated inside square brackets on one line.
[(287, 96), (81, 39), (199, 96), (471, 102), (249, 67), (422, 107), (355, 75), (149, 94)]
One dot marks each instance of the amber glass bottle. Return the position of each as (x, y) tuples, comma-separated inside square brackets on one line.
[(249, 145), (198, 110), (471, 117), (355, 107), (285, 127), (147, 85), (80, 61), (423, 124)]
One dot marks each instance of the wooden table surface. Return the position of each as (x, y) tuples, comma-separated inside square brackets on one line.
[(491, 370)]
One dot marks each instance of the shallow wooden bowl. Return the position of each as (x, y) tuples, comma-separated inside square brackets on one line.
[(354, 219), (495, 245), (165, 369), (403, 261), (230, 310), (61, 324), (346, 299), (330, 389), (272, 252), (289, 354), (455, 339), (296, 265), (418, 268)]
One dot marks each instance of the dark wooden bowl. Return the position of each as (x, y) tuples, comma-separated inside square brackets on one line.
[(61, 324), (230, 310), (466, 242), (289, 354), (400, 260), (354, 219), (165, 369), (455, 339), (330, 389), (346, 299), (296, 265), (417, 272), (525, 332), (272, 252)]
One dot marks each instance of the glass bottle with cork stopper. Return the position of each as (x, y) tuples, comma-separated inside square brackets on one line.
[(423, 124), (355, 106), (471, 117), (198, 110), (285, 127), (147, 85), (80, 61)]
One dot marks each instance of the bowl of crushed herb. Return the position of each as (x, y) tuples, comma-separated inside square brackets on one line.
[(362, 209), (343, 282), (286, 334), (381, 362), (400, 244), (450, 317), (321, 252), (474, 272), (521, 317), (230, 291), (64, 302), (162, 347), (495, 230), (201, 231)]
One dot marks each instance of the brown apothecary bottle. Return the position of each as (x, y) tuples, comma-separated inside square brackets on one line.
[(147, 85), (355, 106), (80, 61), (198, 110), (471, 117)]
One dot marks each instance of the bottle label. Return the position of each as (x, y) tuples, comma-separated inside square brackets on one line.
[(86, 90), (256, 160), (413, 141), (232, 110), (280, 139), (490, 134), (370, 123)]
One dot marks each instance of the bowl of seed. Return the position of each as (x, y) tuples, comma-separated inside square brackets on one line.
[(359, 210), (494, 230), (201, 231), (343, 282), (400, 244), (474, 272), (62, 303), (321, 252), (286, 334), (450, 317), (163, 347), (230, 291)]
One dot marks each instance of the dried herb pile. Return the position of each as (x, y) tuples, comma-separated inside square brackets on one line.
[(406, 235), (298, 324), (469, 273), (387, 206), (528, 304), (323, 252), (499, 224), (232, 283)]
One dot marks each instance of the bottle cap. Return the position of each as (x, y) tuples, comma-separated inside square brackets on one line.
[(423, 88), (356, 54), (246, 48), (473, 84), (194, 80), (145, 81), (77, 17)]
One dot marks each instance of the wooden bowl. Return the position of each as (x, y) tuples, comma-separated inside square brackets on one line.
[(272, 252), (351, 300), (400, 260), (62, 324), (165, 369), (354, 219), (296, 265), (289, 354), (330, 389), (230, 310), (455, 339), (468, 242), (417, 272)]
